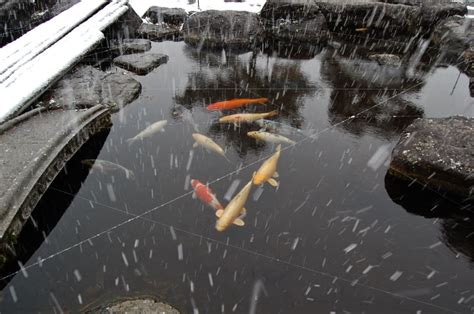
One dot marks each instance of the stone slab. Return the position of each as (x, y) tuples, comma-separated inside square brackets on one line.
[(141, 64)]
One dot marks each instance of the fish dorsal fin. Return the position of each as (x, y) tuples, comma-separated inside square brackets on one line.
[(238, 222), (219, 213), (276, 175), (272, 182), (194, 196)]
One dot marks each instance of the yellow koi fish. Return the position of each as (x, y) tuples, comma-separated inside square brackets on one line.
[(230, 215), (247, 117), (270, 137), (267, 171)]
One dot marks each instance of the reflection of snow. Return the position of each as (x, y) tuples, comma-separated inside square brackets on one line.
[(140, 6)]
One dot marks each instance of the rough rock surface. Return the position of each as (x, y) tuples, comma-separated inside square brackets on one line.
[(386, 59), (383, 18), (294, 22), (128, 46), (438, 152), (222, 29), (158, 32), (137, 305), (87, 87), (141, 64), (171, 16)]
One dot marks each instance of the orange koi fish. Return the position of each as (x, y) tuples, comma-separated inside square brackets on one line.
[(205, 195), (235, 103)]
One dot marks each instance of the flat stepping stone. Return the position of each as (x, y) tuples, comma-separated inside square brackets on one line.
[(128, 46), (141, 64), (87, 86), (438, 152)]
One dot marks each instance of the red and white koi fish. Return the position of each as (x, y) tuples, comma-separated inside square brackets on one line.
[(205, 194)]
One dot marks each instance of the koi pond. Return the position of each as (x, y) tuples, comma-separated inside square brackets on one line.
[(336, 235)]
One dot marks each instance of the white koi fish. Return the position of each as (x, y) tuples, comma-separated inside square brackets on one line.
[(105, 166), (149, 131), (270, 137), (208, 144)]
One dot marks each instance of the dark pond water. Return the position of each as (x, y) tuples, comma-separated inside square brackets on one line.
[(336, 236)]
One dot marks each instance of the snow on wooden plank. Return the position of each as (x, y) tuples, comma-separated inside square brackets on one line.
[(25, 48), (21, 88)]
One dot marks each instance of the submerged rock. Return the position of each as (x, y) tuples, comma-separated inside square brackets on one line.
[(128, 46), (158, 32), (141, 64), (86, 87), (439, 153), (222, 29), (171, 16)]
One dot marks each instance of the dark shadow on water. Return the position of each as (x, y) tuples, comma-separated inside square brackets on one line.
[(52, 205), (457, 219), (369, 91)]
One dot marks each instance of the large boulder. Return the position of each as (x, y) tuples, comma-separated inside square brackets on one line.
[(86, 87), (222, 29), (294, 21), (439, 153), (383, 19), (159, 32), (141, 63), (170, 16)]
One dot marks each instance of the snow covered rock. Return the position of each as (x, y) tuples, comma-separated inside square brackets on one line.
[(141, 64), (438, 152), (86, 87), (222, 29), (170, 16)]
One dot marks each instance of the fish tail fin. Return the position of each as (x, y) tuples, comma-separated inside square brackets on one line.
[(272, 113), (278, 149), (292, 142), (130, 175), (262, 100), (130, 141)]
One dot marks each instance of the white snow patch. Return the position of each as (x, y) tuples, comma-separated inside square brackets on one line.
[(255, 6)]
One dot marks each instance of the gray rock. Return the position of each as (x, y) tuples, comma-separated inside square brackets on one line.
[(158, 32), (454, 36), (86, 87), (141, 64), (222, 29), (385, 19), (171, 16), (386, 59), (312, 30), (433, 13), (128, 46), (136, 305), (294, 21), (438, 152), (274, 10)]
